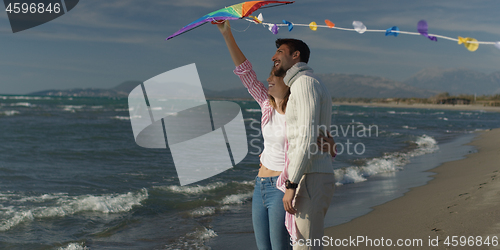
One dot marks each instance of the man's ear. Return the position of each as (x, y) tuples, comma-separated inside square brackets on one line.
[(296, 54)]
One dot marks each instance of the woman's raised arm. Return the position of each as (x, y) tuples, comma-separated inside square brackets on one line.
[(236, 54)]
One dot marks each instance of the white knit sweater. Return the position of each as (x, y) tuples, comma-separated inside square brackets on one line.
[(309, 111)]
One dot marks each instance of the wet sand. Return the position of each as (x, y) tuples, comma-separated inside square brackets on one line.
[(463, 199)]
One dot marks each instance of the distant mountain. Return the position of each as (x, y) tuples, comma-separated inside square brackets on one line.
[(456, 81), (125, 87), (345, 85)]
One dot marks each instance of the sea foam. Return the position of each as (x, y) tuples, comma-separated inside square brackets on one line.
[(252, 110), (193, 240), (74, 246), (198, 189), (25, 209), (236, 198), (9, 113), (388, 163)]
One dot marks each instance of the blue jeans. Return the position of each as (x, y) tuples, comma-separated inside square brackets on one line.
[(268, 215)]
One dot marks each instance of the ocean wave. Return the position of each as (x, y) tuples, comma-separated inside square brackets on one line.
[(121, 117), (21, 209), (202, 211), (392, 112), (9, 113), (388, 163), (236, 198), (351, 113), (71, 108), (234, 193), (74, 246), (252, 110), (199, 189), (41, 198), (23, 104), (26, 98), (193, 240), (408, 127)]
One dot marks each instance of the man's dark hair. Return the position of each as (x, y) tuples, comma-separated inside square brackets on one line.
[(295, 45)]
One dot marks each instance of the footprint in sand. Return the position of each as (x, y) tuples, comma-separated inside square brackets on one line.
[(452, 205)]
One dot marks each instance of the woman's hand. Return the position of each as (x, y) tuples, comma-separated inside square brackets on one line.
[(327, 144), (288, 201), (224, 27)]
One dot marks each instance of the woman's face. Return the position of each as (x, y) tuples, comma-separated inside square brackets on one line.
[(277, 87)]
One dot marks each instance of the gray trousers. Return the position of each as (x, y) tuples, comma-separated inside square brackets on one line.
[(313, 197)]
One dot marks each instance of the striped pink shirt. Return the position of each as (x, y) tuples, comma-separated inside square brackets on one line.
[(259, 93)]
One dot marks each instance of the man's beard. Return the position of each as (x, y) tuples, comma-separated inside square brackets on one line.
[(280, 71)]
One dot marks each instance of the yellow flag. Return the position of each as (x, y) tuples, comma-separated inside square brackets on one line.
[(469, 43), (313, 26)]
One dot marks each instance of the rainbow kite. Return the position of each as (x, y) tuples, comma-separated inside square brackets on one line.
[(237, 11), (243, 11)]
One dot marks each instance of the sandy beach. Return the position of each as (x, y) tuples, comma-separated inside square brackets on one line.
[(423, 106), (460, 204)]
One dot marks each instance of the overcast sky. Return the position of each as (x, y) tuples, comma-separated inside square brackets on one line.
[(103, 43)]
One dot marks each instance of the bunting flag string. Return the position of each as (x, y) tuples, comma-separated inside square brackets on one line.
[(470, 44)]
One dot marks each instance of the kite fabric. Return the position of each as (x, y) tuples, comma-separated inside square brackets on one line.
[(290, 25), (313, 26), (392, 31), (329, 23), (359, 27), (422, 27), (469, 43), (274, 29), (232, 12)]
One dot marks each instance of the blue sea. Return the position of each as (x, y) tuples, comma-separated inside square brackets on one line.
[(72, 176)]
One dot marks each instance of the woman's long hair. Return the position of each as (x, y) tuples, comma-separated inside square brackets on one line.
[(272, 101), (283, 102)]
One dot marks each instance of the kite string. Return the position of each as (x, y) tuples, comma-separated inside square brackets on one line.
[(215, 21), (368, 30), (241, 30)]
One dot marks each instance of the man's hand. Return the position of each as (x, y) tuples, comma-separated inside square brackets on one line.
[(288, 201), (327, 144)]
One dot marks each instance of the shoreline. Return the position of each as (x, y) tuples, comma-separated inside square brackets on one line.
[(472, 107), (462, 199)]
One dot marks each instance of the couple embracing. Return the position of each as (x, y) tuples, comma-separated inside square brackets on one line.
[(295, 183)]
